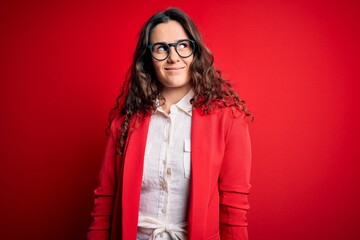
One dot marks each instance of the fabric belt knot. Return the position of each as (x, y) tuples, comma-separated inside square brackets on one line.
[(176, 231)]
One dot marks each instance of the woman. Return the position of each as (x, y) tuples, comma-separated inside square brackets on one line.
[(177, 163)]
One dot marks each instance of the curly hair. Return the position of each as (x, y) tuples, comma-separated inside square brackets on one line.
[(141, 88)]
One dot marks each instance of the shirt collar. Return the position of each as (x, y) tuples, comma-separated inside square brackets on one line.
[(184, 103)]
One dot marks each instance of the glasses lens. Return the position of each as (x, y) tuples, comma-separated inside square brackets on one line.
[(185, 48), (160, 51)]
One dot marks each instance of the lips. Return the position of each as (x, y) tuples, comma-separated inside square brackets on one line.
[(173, 68)]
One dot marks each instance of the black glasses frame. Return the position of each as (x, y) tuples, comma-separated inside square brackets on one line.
[(175, 45)]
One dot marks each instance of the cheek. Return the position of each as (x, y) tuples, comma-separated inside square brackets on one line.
[(157, 67), (189, 61)]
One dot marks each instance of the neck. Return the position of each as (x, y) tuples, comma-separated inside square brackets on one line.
[(173, 96)]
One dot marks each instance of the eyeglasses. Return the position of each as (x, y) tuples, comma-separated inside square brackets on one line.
[(161, 50)]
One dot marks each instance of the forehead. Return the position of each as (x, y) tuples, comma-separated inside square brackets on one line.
[(168, 32)]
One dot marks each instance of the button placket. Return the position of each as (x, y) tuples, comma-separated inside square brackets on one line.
[(169, 132), (164, 199), (166, 166), (164, 147), (168, 171), (166, 131)]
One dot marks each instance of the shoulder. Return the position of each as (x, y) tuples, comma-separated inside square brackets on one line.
[(223, 120), (228, 112), (235, 125), (115, 125), (232, 117), (134, 122)]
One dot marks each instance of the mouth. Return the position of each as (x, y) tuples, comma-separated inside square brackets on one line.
[(173, 68)]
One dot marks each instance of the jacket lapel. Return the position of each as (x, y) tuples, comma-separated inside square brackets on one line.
[(201, 131), (132, 178)]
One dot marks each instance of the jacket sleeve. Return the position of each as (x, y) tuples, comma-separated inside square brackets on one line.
[(104, 196), (234, 182)]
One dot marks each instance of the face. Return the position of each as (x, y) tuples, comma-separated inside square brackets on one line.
[(173, 72)]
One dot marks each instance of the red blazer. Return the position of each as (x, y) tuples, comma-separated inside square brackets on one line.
[(220, 172)]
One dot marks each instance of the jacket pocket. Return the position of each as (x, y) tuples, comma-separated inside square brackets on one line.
[(187, 158)]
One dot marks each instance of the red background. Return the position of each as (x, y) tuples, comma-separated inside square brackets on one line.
[(295, 62)]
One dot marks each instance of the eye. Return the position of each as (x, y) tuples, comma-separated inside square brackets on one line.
[(183, 45), (160, 48)]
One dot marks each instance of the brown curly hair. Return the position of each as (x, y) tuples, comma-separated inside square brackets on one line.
[(141, 88)]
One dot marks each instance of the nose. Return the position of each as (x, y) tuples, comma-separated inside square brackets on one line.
[(173, 55)]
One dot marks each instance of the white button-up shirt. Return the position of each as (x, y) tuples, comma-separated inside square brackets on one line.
[(166, 177)]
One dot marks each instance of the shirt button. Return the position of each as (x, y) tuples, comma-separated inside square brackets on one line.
[(164, 161), (163, 210), (163, 185)]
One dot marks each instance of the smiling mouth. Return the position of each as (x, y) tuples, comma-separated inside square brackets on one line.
[(174, 68)]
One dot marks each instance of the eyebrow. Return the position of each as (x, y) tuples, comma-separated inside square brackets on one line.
[(170, 42)]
